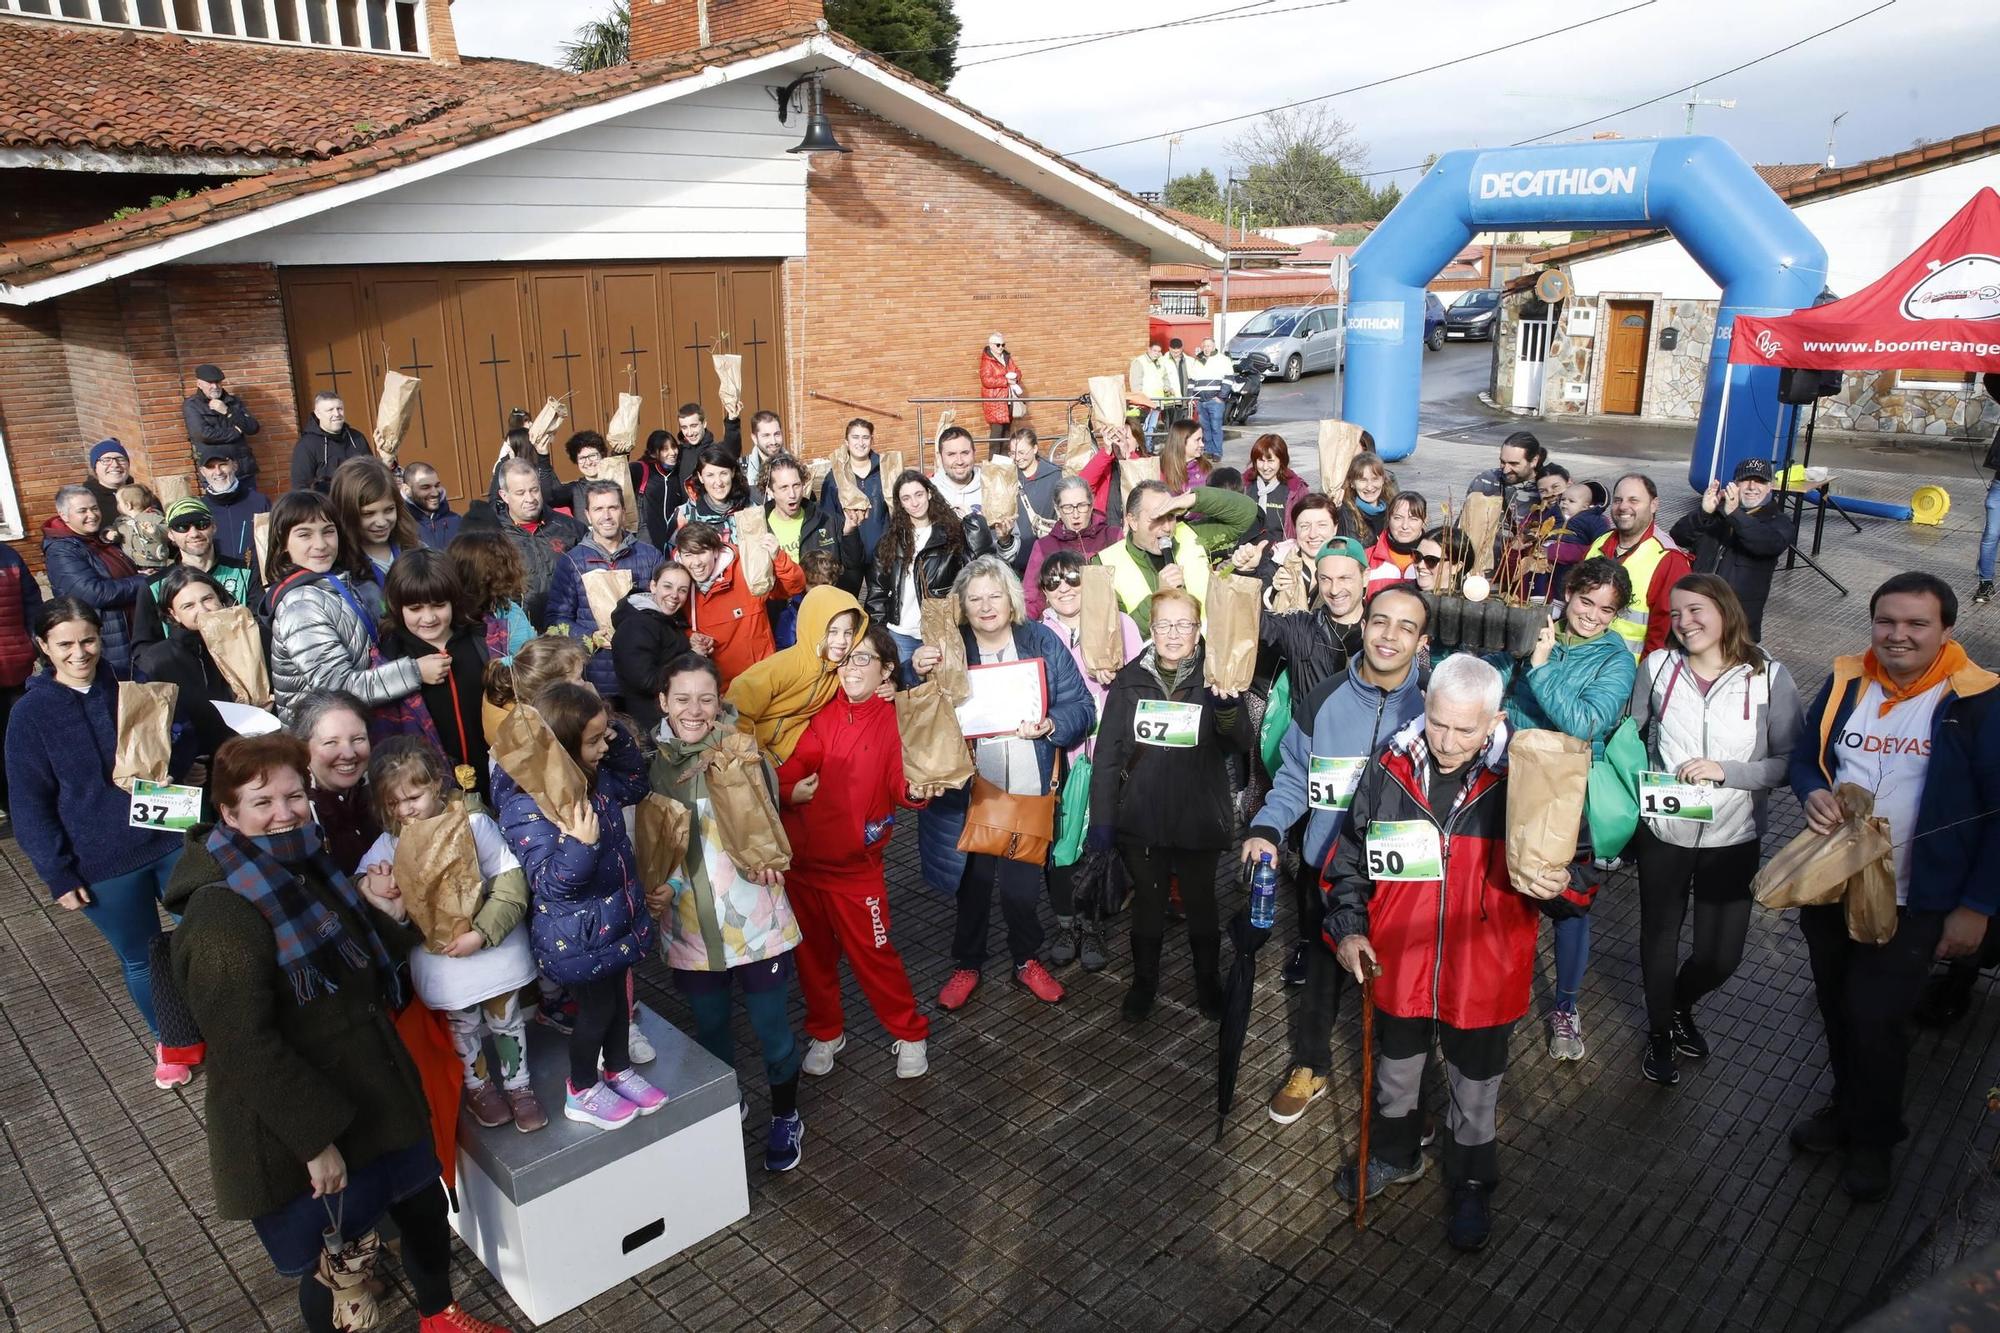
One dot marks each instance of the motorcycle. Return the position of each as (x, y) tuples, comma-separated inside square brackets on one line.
[(1246, 384)]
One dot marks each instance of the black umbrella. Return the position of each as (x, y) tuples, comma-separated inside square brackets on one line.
[(1236, 998), (1092, 887)]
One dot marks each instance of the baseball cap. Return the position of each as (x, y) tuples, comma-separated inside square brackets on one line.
[(213, 453), (213, 374), (186, 505), (1754, 469), (1346, 546)]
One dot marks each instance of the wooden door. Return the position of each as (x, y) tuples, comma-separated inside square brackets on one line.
[(324, 326), (411, 332), (630, 305), (694, 318), (754, 326), (566, 352), (1625, 356), (486, 317)]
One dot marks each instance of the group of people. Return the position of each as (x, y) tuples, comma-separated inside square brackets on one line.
[(1368, 756)]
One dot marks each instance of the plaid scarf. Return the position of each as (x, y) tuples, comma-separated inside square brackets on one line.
[(263, 871)]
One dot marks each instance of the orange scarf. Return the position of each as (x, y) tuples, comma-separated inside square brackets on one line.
[(1952, 658)]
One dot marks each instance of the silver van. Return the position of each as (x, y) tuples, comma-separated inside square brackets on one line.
[(1295, 339)]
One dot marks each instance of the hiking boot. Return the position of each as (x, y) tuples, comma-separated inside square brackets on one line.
[(1687, 1038), (912, 1058), (1471, 1222), (1067, 943), (1659, 1063), (527, 1108), (819, 1055), (1947, 997), (958, 988), (1565, 1035), (452, 1319), (1819, 1133), (1381, 1176), (1294, 972), (784, 1147), (1091, 948), (645, 1098), (1302, 1088), (1865, 1174), (488, 1105), (1983, 593), (1033, 978), (639, 1049), (598, 1105)]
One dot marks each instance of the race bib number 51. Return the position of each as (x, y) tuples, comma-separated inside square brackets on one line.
[(1403, 850), (1330, 781), (1160, 722)]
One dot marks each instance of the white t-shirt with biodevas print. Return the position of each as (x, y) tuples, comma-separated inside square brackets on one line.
[(1889, 756)]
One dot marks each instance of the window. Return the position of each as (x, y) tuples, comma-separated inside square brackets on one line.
[(1949, 381), (1180, 303), (391, 26)]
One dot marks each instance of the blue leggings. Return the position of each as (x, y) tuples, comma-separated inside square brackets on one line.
[(766, 987), (126, 912), (1572, 957)]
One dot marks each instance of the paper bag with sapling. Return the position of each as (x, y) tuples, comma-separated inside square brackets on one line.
[(169, 488), (392, 414), (746, 818), (1339, 442), (1076, 448), (817, 472), (892, 468), (1107, 400), (845, 487), (729, 382), (1234, 603), (145, 732), (945, 421), (1101, 637), (235, 642), (1548, 774), (528, 752), (437, 871), (934, 751), (1297, 576), (999, 490), (940, 621), (1813, 869), (542, 430), (1479, 520), (621, 437), (605, 588), (660, 837), (260, 537), (759, 567), (1871, 893), (1132, 471)]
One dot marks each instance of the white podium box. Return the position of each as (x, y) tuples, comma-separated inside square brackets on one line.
[(570, 1211)]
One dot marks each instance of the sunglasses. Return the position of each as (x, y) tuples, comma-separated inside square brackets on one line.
[(1430, 561), (190, 523), (1057, 578)]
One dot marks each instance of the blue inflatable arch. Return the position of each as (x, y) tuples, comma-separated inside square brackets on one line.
[(1742, 235)]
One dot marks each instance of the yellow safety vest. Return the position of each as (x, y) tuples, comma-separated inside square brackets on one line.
[(1136, 581), (1631, 622)]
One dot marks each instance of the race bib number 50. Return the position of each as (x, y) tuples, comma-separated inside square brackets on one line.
[(1171, 725), (1403, 850)]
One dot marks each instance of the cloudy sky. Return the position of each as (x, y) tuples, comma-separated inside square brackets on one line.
[(1914, 69)]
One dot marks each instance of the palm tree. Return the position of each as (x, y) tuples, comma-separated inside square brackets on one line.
[(600, 43)]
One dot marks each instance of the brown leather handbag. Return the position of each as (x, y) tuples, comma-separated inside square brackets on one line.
[(1000, 823)]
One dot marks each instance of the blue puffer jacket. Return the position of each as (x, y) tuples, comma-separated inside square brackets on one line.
[(76, 570), (1070, 708), (1582, 690), (590, 918), (570, 605)]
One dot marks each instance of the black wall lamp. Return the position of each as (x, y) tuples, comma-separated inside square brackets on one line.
[(819, 130)]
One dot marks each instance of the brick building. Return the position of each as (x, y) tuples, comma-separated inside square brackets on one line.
[(312, 205)]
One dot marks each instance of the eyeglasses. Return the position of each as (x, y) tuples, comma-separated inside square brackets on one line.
[(863, 659), (1074, 507), (191, 523), (1055, 578), (1175, 626)]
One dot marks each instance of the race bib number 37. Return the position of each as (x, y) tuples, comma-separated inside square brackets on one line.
[(1404, 850), (1661, 796), (1330, 781), (1160, 722), (164, 806)]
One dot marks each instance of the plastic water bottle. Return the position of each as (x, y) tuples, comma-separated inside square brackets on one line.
[(1264, 893)]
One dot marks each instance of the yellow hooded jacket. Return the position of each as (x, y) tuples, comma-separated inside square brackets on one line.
[(777, 697)]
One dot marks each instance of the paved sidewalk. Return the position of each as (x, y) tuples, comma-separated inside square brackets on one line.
[(1056, 1169)]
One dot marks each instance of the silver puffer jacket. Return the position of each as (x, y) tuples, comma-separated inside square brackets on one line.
[(318, 642)]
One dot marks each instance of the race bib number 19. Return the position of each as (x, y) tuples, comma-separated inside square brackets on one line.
[(1171, 725), (1330, 781), (1404, 850), (1661, 796)]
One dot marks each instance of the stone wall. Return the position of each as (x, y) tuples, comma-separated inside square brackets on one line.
[(1872, 403)]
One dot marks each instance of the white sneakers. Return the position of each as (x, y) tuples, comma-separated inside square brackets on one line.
[(638, 1047), (912, 1059)]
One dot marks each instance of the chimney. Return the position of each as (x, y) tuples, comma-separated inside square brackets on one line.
[(662, 28), (443, 39)]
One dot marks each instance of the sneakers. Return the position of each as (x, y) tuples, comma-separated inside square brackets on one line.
[(1688, 1041), (598, 1105), (1865, 1174), (1471, 1222), (1565, 1035), (638, 1047), (1091, 948), (1819, 1132), (912, 1059), (1033, 978), (958, 988), (527, 1108), (1066, 943), (560, 1016), (1659, 1063), (819, 1055), (451, 1319), (644, 1097), (488, 1105), (1381, 1176), (1294, 973), (1983, 593), (1608, 863), (784, 1147), (168, 1074), (1302, 1088)]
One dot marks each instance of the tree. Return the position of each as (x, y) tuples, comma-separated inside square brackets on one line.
[(920, 36), (1387, 198), (1196, 192), (1299, 166), (600, 43)]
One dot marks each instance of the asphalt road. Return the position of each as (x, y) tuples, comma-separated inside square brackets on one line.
[(1454, 376)]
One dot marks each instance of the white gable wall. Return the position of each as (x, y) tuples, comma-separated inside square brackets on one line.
[(705, 176)]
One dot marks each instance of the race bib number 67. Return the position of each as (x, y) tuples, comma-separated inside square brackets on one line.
[(1402, 850), (1170, 725)]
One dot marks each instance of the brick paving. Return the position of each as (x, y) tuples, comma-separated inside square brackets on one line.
[(1056, 1169)]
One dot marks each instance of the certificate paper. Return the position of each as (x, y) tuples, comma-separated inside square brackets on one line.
[(1004, 695)]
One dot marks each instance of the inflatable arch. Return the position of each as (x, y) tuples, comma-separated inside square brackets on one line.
[(1742, 235)]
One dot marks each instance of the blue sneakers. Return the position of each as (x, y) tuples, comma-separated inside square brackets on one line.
[(784, 1149), (1381, 1175)]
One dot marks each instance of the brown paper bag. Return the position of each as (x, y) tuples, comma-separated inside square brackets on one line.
[(233, 639), (746, 819), (542, 430), (1132, 471), (945, 421), (846, 488), (1548, 774), (1107, 400), (1871, 900), (171, 487), (934, 752), (437, 871), (622, 435), (760, 573), (528, 752), (1292, 590), (145, 732), (1479, 520), (260, 537), (1099, 635), (1339, 442), (392, 414), (817, 472), (892, 468), (660, 837), (940, 620), (1075, 449), (729, 383), (999, 490), (1814, 869), (605, 588), (1234, 604)]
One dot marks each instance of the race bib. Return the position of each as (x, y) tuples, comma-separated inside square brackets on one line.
[(1169, 725), (1406, 849), (1662, 796), (164, 807), (1330, 782)]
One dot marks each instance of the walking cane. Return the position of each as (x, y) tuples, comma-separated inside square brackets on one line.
[(1374, 970)]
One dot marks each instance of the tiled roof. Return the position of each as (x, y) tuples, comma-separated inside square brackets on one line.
[(1783, 175), (124, 91), (1232, 240)]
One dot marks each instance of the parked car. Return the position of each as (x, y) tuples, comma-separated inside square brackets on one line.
[(1295, 339), (1476, 315), (1433, 321)]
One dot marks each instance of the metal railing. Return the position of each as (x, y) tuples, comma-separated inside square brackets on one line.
[(978, 425)]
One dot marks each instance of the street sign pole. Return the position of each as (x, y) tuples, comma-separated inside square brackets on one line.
[(1338, 277)]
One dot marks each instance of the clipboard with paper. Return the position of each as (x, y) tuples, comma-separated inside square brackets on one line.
[(1004, 695)]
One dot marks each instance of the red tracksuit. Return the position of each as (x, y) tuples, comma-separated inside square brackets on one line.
[(835, 884)]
